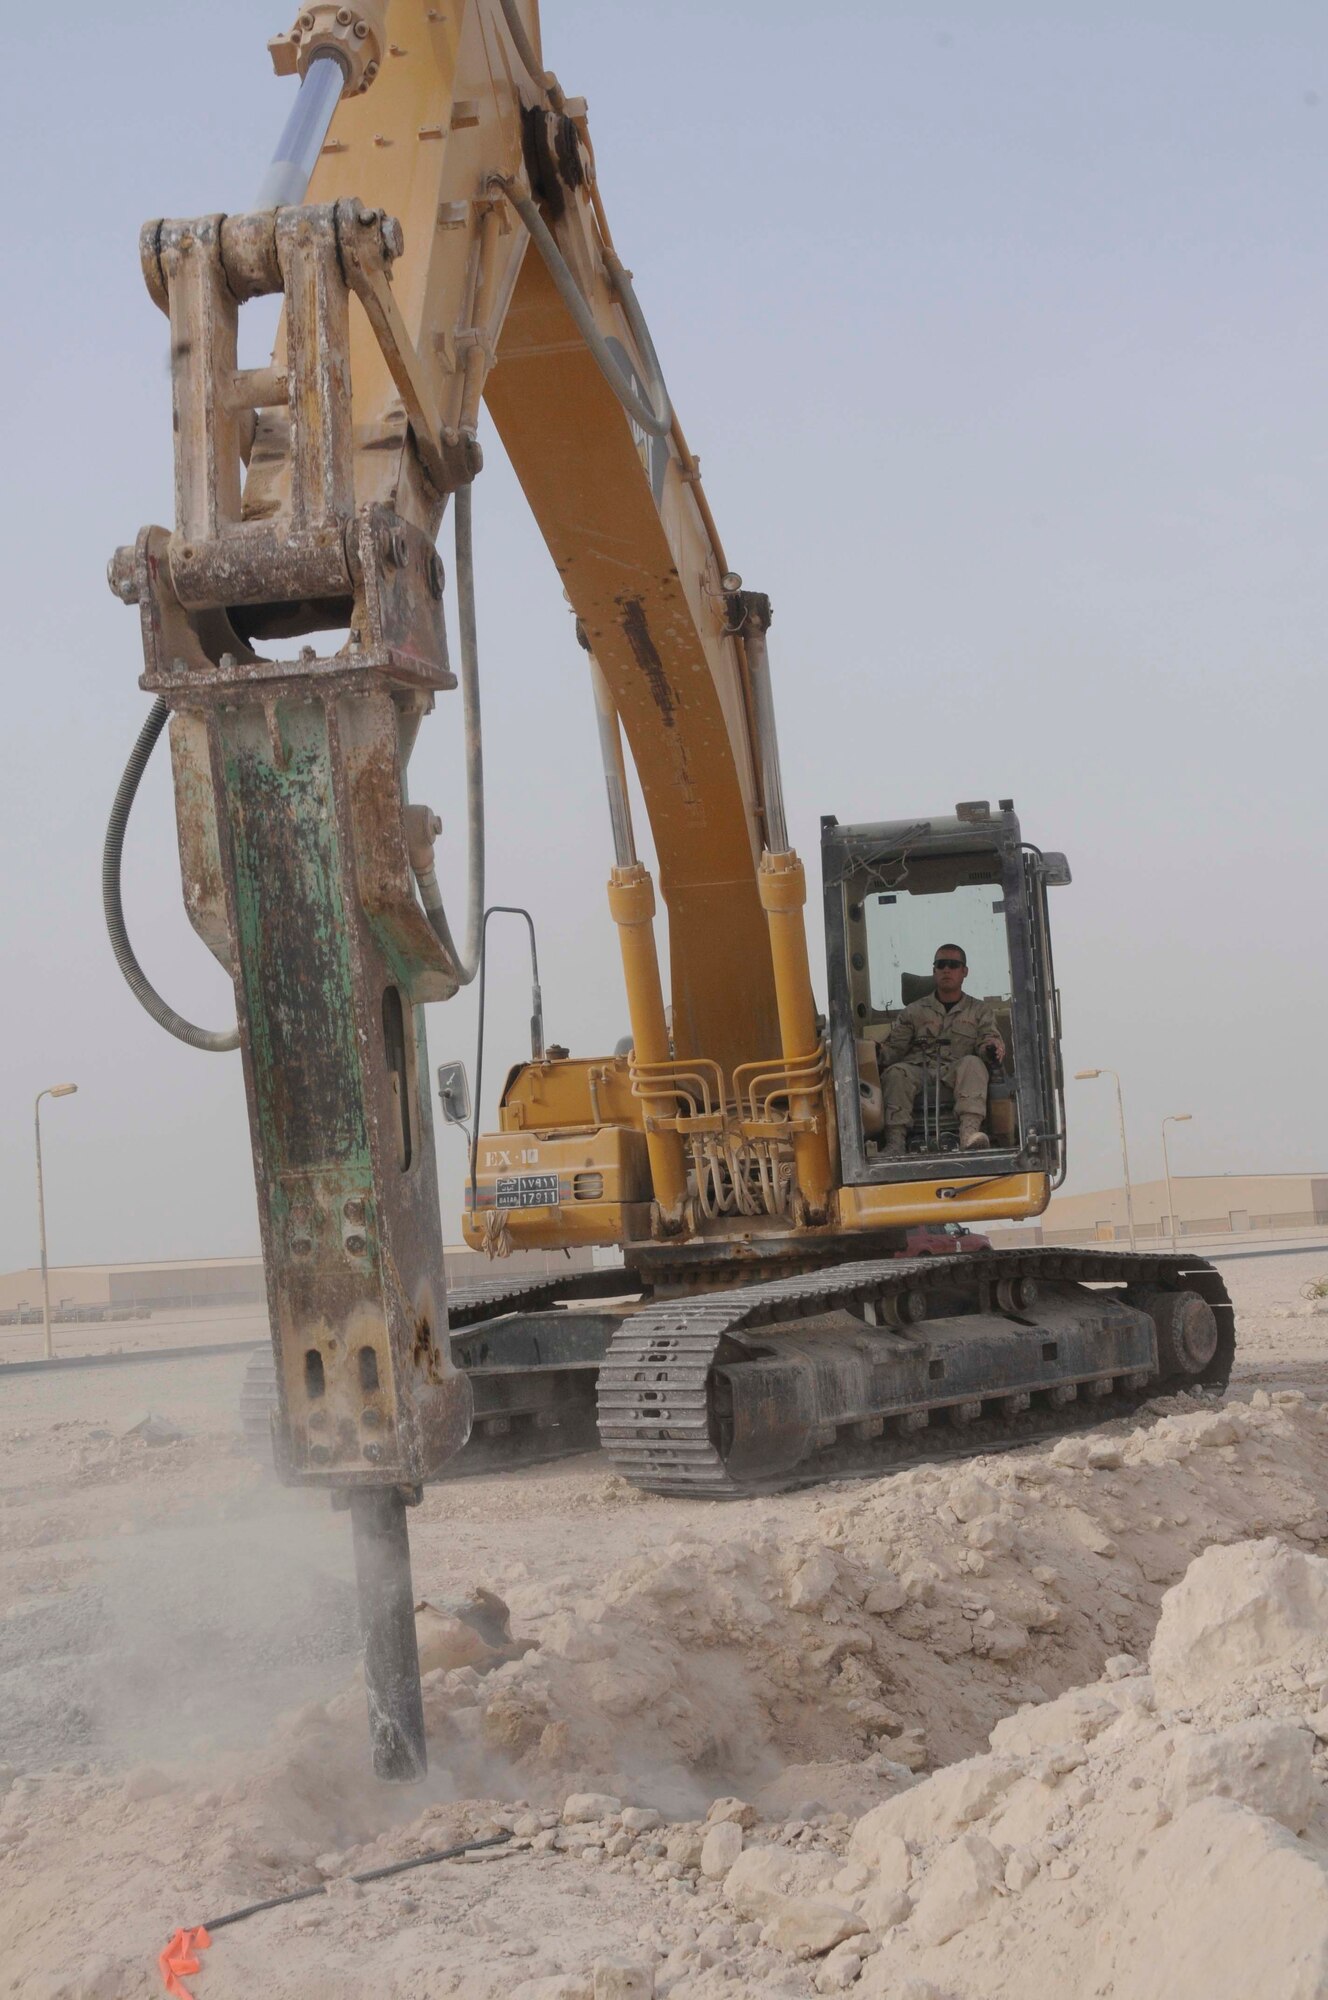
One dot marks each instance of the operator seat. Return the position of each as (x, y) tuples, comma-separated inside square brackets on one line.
[(935, 1123)]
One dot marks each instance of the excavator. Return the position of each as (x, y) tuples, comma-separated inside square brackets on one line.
[(434, 225)]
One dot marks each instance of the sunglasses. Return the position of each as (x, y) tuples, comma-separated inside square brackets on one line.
[(947, 965)]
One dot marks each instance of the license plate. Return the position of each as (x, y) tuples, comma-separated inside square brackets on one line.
[(527, 1191)]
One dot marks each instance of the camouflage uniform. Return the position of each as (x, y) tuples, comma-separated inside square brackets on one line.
[(924, 1032)]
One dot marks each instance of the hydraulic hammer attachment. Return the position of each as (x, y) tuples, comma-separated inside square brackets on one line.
[(290, 787)]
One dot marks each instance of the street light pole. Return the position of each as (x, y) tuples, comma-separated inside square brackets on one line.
[(1173, 1118), (54, 1090), (1083, 1074)]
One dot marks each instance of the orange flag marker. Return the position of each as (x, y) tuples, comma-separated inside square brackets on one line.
[(179, 1958)]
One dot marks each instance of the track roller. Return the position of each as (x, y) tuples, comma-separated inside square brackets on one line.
[(1186, 1329)]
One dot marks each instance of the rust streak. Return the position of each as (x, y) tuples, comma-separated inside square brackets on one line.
[(644, 652)]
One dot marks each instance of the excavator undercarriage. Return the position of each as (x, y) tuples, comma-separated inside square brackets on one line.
[(868, 1365)]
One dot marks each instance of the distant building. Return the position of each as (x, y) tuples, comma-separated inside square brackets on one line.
[(185, 1284), (1206, 1205)]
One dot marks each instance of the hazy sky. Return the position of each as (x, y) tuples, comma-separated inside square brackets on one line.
[(1000, 332)]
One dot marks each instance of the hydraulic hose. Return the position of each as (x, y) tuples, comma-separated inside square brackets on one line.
[(517, 30), (140, 986), (467, 964), (655, 417)]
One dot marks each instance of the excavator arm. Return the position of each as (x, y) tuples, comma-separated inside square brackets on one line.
[(468, 151), (434, 225)]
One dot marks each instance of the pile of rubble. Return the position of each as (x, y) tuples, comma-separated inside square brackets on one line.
[(1162, 1831), (896, 1741)]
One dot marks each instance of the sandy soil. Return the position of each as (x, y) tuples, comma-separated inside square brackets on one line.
[(181, 1729)]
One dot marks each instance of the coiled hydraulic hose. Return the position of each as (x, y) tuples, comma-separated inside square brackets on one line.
[(214, 1040), (655, 417)]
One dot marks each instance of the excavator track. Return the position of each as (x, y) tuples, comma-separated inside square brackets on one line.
[(549, 1356), (662, 1418)]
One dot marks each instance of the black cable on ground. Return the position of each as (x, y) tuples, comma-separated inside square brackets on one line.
[(368, 1875), (216, 1040)]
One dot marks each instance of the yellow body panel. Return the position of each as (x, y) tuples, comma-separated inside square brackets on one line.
[(902, 1204), (603, 1188), (564, 1092)]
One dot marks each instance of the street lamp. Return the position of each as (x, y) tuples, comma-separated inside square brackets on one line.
[(55, 1090), (1081, 1075), (1173, 1118)]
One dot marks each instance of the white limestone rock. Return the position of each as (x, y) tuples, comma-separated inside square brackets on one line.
[(737, 1810), (720, 1848), (762, 1877), (684, 1845), (1076, 1717), (839, 1970), (810, 1926), (1263, 1764), (1237, 1610), (958, 1890), (580, 1808), (949, 1800), (813, 1582), (1223, 1903)]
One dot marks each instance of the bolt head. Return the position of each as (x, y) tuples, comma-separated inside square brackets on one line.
[(394, 237), (120, 575)]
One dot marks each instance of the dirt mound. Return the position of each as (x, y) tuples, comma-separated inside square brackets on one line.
[(814, 1664), (1107, 1842), (904, 1620)]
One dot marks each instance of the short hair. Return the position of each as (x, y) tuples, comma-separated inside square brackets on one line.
[(952, 947)]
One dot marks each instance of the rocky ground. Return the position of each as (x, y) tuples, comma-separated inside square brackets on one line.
[(1046, 1722)]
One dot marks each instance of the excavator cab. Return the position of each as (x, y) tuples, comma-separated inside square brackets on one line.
[(896, 891)]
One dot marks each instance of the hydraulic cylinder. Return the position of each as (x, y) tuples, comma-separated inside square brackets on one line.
[(632, 905)]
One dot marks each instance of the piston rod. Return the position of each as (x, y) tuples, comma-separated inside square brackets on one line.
[(387, 1623)]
